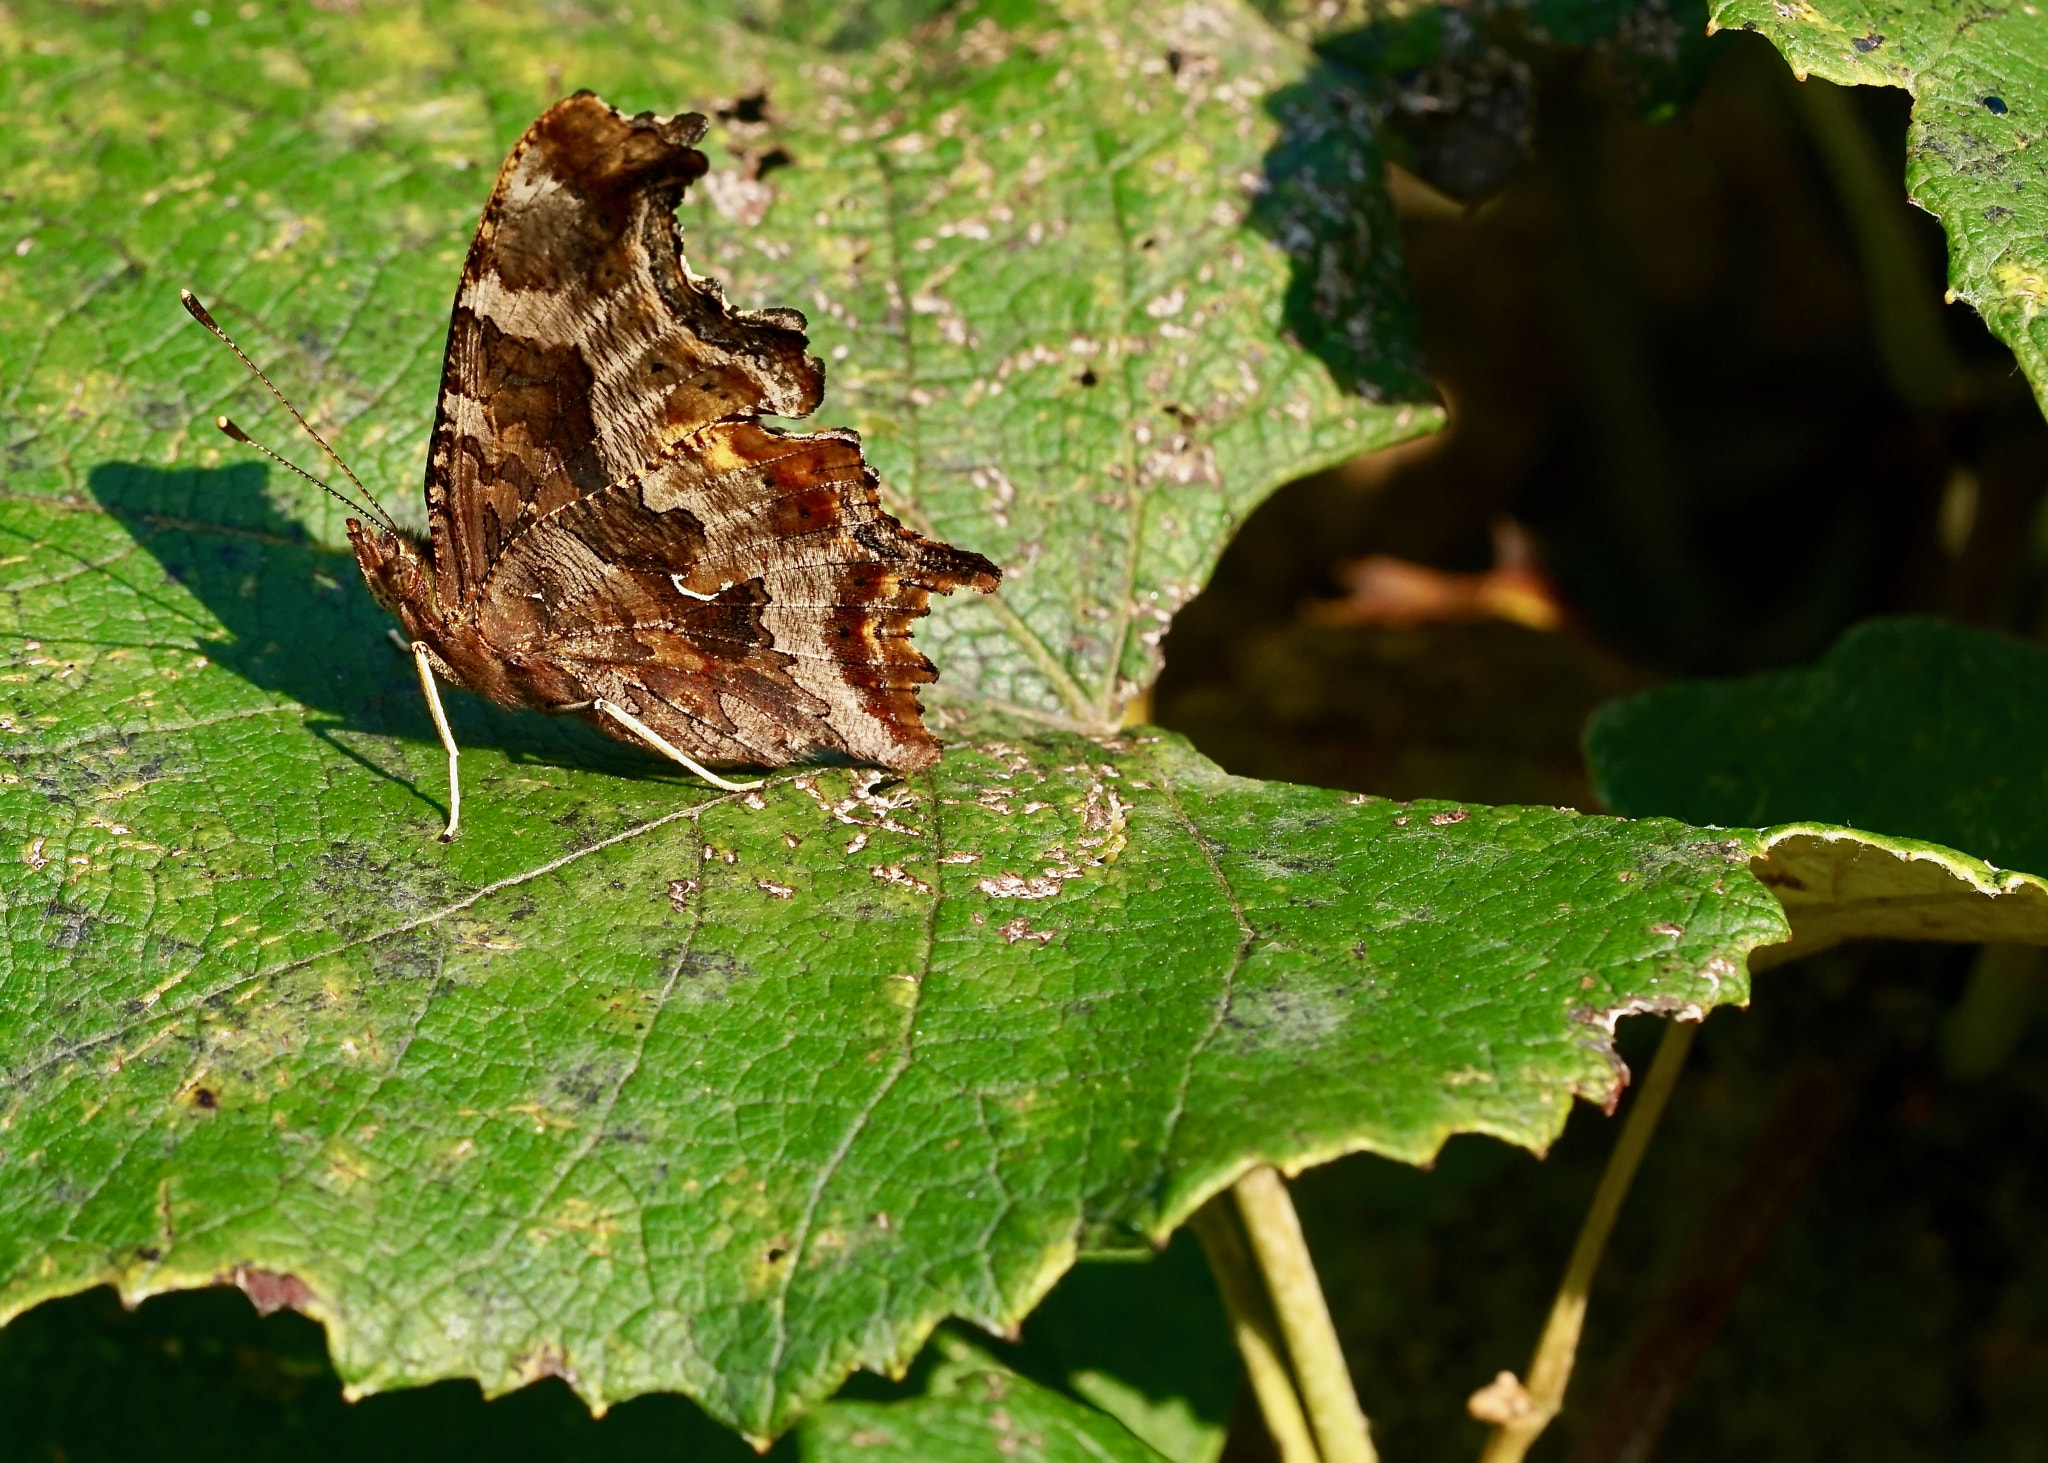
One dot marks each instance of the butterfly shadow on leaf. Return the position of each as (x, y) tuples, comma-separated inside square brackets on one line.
[(299, 622)]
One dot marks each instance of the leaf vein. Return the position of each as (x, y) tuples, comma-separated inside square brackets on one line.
[(1225, 995)]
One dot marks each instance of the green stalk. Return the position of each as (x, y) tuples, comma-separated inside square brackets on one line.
[(1904, 311), (1523, 1419), (1282, 1254), (1253, 1328)]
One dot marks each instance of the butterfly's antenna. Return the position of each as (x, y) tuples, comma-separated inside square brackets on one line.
[(231, 430), (199, 312)]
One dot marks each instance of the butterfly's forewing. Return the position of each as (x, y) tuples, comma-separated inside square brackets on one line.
[(580, 348)]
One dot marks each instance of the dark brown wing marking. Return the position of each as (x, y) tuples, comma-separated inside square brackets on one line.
[(581, 347), (748, 598)]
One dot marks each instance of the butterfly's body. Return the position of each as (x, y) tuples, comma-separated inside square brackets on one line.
[(456, 648), (614, 533)]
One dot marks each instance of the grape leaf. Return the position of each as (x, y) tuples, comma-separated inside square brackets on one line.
[(1928, 734), (1976, 73), (1147, 1343), (972, 1409), (1912, 727), (655, 1090), (1454, 86), (636, 1086)]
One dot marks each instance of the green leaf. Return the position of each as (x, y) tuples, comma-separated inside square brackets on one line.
[(1022, 245), (1927, 733), (1147, 1343), (973, 1409), (625, 1087), (1454, 79), (1913, 727), (1977, 75), (634, 1086)]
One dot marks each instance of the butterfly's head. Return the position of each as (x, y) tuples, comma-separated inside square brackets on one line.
[(396, 570)]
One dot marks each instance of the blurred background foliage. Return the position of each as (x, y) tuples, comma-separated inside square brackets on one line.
[(1707, 412)]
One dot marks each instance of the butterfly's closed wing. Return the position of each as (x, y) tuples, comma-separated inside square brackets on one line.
[(612, 525)]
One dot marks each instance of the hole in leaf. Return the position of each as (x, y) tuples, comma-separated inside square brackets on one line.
[(752, 108)]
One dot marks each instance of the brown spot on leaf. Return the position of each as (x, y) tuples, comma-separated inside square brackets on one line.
[(545, 1361), (1020, 929), (272, 1290), (747, 110)]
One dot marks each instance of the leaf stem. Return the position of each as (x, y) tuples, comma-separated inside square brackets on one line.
[(1550, 1369), (1253, 1328), (1903, 311), (1282, 1253)]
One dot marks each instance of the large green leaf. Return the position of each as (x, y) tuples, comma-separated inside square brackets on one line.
[(1928, 734), (1021, 240), (627, 1087), (1909, 727), (972, 1409), (1977, 74), (636, 1086)]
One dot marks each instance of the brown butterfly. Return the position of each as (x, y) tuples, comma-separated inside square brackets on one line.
[(614, 532)]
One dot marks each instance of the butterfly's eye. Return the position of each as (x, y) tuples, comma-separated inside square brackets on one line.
[(656, 366)]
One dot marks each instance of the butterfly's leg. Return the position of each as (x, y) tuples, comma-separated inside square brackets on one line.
[(660, 744), (419, 659)]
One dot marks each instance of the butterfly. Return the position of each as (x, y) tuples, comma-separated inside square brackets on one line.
[(614, 532)]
